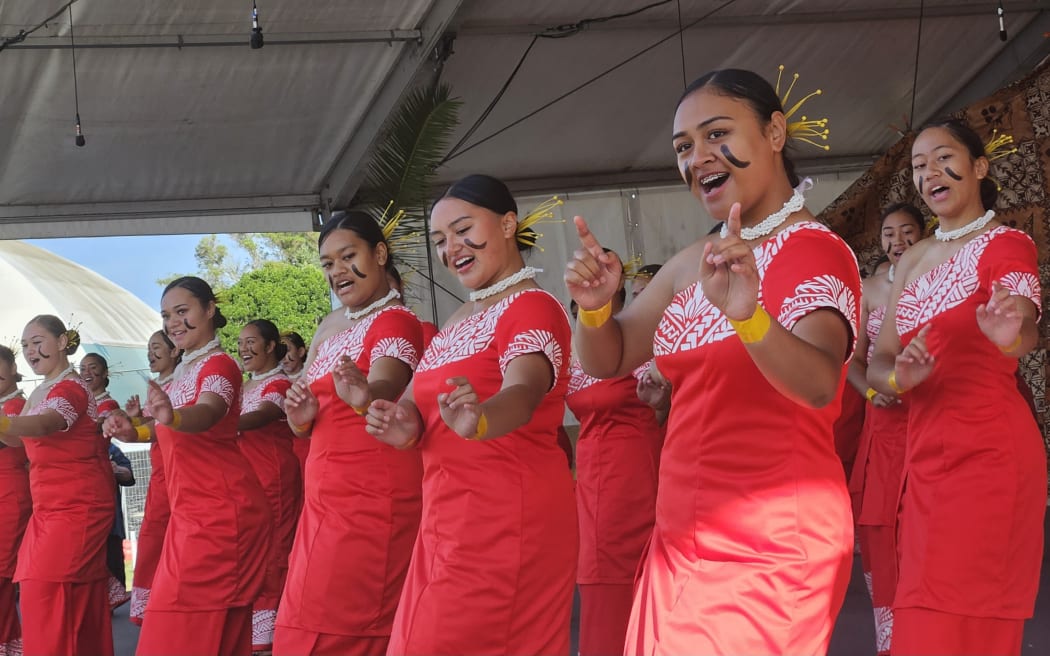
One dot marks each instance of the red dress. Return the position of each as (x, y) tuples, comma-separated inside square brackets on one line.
[(974, 489), (62, 560), (874, 488), (361, 510), (14, 515), (269, 452), (214, 557), (151, 535), (494, 565), (753, 540), (617, 463)]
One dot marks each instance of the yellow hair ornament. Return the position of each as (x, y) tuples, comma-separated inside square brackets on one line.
[(390, 225), (543, 213), (631, 266), (997, 147), (804, 129)]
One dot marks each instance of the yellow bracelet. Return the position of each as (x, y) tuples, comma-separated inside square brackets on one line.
[(754, 328), (483, 428), (409, 444), (362, 410), (871, 393), (305, 427), (176, 420), (893, 383), (5, 423), (143, 432), (1013, 345), (595, 318), (135, 421)]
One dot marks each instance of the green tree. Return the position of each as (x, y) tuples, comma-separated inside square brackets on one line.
[(293, 297), (221, 268)]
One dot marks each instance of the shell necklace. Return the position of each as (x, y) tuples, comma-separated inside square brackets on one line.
[(526, 273)]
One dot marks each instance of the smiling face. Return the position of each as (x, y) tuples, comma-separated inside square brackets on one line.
[(94, 373), (356, 271), (475, 244), (256, 355), (726, 154), (293, 360), (187, 321), (8, 377), (161, 357), (45, 353), (899, 233), (947, 176)]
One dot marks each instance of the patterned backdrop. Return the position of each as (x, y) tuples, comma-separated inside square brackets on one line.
[(1021, 110)]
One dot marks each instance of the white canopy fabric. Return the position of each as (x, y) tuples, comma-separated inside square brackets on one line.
[(190, 130)]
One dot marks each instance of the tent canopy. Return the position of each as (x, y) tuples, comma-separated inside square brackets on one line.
[(190, 130)]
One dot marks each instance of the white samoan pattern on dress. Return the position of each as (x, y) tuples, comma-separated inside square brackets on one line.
[(955, 280), (875, 319), (263, 624), (581, 380), (64, 408), (183, 390), (351, 342), (474, 334), (252, 399), (690, 321)]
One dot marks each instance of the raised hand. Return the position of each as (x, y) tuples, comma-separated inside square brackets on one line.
[(915, 363), (728, 272), (159, 404), (592, 276), (885, 400), (460, 408), (300, 404), (1001, 318), (392, 423), (118, 425), (133, 406), (351, 385), (653, 389)]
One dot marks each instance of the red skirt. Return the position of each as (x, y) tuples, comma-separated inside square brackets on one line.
[(604, 612), (299, 642), (924, 632), (66, 619), (226, 632), (10, 627), (878, 548)]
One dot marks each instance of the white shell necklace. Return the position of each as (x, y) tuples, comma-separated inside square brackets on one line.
[(190, 356), (14, 394), (273, 372), (771, 222), (526, 273), (972, 226), (164, 380), (48, 383), (355, 315), (99, 398)]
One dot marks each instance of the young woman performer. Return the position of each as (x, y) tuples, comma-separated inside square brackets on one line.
[(163, 357), (617, 462), (495, 562), (94, 370), (17, 505), (266, 441), (218, 538), (361, 510), (753, 538), (964, 308), (62, 560), (294, 367), (876, 478)]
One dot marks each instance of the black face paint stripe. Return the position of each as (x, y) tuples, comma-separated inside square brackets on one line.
[(688, 175), (952, 174), (477, 247), (43, 355), (922, 181), (444, 260), (186, 323), (357, 272), (732, 159)]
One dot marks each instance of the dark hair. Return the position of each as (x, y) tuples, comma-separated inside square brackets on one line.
[(621, 293), (102, 361), (268, 331), (201, 291), (649, 270), (965, 135), (906, 208), (171, 345), (295, 338), (492, 194), (8, 356), (364, 226), (54, 325), (754, 90)]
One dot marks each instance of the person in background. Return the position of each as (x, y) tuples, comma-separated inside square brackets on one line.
[(16, 507), (641, 279), (295, 356), (118, 584)]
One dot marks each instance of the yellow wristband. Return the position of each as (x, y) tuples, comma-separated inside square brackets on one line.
[(136, 421), (176, 420), (5, 423), (893, 383), (362, 410), (143, 432), (409, 444), (754, 328), (595, 318), (871, 393), (483, 428), (304, 428), (1013, 345)]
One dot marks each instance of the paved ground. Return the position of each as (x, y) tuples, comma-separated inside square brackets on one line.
[(854, 632)]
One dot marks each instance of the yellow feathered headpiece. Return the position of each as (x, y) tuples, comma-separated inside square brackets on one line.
[(804, 129), (526, 235)]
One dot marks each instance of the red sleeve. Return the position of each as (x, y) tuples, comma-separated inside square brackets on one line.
[(394, 334), (814, 270), (107, 406), (1011, 259), (14, 407), (275, 390), (220, 375), (535, 322), (68, 399)]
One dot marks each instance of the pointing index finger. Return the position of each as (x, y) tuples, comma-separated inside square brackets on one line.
[(733, 222), (587, 238)]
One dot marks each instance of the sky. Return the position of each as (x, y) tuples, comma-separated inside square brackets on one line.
[(134, 263)]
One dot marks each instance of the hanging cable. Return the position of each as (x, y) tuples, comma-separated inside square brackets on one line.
[(592, 80), (22, 34), (80, 140), (681, 44), (915, 72)]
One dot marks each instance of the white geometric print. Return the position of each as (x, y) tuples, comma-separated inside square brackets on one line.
[(351, 342), (533, 341)]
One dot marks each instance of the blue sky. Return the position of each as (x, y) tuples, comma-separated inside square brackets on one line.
[(134, 263)]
